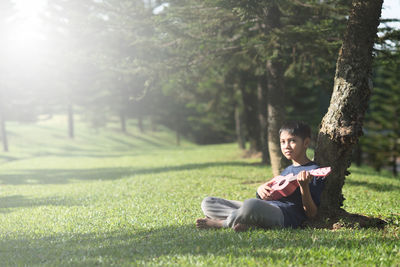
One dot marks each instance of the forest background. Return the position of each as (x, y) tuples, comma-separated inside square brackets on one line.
[(199, 68)]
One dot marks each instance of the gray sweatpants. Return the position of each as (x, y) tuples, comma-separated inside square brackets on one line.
[(252, 212)]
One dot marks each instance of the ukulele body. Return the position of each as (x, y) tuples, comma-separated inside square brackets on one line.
[(283, 186)]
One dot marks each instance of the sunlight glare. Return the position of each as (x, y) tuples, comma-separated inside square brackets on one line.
[(25, 35)]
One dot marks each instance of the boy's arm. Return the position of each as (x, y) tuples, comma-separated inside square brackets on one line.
[(309, 206)]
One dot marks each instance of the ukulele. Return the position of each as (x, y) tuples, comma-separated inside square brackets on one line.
[(283, 186)]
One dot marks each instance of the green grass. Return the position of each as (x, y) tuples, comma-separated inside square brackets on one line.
[(108, 198)]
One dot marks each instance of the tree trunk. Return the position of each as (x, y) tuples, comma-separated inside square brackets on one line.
[(4, 133), (71, 133), (239, 129), (263, 118), (275, 92), (276, 115), (153, 124), (394, 161), (140, 123), (251, 121), (358, 155), (178, 138), (342, 124), (123, 121)]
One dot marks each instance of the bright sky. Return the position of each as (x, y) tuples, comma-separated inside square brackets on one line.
[(29, 10), (25, 36), (29, 22), (27, 30), (29, 7), (391, 9)]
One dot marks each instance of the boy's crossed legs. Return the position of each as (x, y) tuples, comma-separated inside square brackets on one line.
[(239, 215)]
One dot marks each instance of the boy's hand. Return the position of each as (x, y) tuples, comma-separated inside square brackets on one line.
[(264, 191), (304, 178)]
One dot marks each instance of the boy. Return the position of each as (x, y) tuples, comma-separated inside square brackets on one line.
[(262, 212)]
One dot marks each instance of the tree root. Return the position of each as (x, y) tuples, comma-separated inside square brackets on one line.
[(343, 219)]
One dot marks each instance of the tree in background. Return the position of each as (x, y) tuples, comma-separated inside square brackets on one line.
[(71, 68), (6, 10), (193, 37), (283, 38), (381, 142), (206, 69), (213, 54), (126, 54)]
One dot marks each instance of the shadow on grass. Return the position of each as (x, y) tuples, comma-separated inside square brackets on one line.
[(147, 140), (126, 145), (62, 176), (368, 173), (379, 187), (6, 158), (146, 246), (17, 201)]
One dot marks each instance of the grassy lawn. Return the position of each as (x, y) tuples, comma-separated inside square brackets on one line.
[(108, 198)]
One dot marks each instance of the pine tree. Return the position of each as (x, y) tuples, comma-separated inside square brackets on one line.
[(6, 10), (382, 126), (71, 69)]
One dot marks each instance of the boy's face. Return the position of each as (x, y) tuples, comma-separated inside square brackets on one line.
[(293, 147)]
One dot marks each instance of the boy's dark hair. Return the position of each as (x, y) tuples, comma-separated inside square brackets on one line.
[(296, 128)]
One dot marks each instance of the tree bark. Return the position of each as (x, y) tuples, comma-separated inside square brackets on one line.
[(342, 124)]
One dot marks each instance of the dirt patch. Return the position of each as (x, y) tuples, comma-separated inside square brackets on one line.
[(251, 154)]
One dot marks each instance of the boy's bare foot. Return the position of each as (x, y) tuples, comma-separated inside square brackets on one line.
[(208, 223), (240, 227)]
